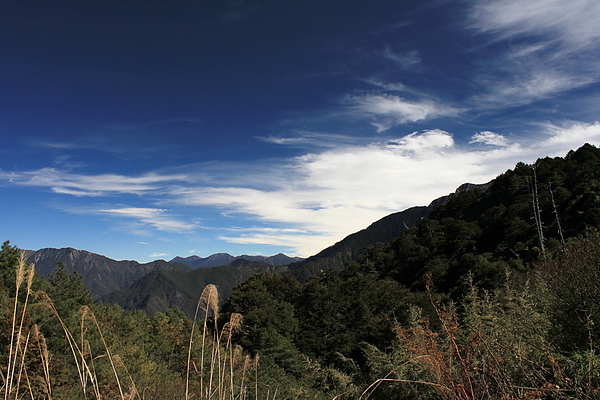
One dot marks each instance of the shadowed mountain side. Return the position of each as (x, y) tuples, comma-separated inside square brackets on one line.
[(162, 290), (101, 275)]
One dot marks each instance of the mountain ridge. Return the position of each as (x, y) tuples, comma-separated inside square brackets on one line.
[(159, 285)]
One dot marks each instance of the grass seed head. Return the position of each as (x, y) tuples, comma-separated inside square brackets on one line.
[(210, 300)]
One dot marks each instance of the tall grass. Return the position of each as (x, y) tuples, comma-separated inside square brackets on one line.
[(215, 369), (221, 380), (19, 338)]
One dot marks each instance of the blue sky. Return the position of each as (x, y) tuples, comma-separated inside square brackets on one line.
[(144, 130)]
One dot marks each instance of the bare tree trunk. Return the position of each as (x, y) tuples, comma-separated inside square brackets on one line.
[(537, 215), (560, 232)]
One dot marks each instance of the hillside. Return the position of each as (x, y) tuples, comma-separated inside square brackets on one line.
[(102, 275), (161, 290)]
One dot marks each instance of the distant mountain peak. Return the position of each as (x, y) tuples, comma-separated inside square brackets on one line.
[(218, 259)]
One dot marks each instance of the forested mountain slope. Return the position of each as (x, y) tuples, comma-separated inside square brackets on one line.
[(162, 290)]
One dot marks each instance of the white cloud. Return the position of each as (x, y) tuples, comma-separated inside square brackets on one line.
[(158, 255), (489, 138), (387, 110), (571, 134), (435, 139)]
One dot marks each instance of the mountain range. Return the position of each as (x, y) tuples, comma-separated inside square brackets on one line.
[(101, 275)]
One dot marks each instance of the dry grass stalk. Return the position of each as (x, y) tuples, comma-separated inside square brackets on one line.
[(256, 358), (208, 303), (449, 321), (85, 311), (45, 359), (233, 325), (22, 271), (133, 392)]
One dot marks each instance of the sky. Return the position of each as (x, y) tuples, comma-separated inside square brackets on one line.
[(152, 129)]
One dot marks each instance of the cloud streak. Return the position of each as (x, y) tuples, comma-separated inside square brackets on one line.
[(81, 185), (154, 217), (387, 111), (575, 23)]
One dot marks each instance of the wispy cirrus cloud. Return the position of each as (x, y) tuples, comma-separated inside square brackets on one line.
[(554, 47), (527, 84), (574, 23), (405, 60), (142, 139), (314, 140)]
